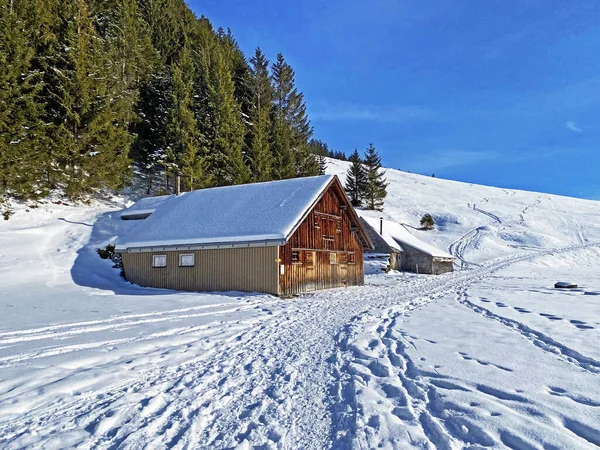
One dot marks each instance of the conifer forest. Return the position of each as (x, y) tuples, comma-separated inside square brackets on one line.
[(91, 89)]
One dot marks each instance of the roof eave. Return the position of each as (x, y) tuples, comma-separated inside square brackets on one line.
[(206, 246)]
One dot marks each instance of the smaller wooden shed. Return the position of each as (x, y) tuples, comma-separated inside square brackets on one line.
[(281, 237), (407, 252)]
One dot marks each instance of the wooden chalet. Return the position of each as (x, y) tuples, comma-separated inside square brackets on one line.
[(282, 237)]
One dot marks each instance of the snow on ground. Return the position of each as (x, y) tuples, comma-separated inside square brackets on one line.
[(491, 356)]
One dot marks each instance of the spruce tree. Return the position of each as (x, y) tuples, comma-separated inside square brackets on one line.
[(89, 100), (186, 150), (319, 147), (241, 73), (223, 121), (376, 185), (322, 164), (21, 130), (259, 153), (153, 112), (356, 180), (291, 127)]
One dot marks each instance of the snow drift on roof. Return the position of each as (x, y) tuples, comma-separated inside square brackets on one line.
[(395, 233), (145, 206), (232, 214)]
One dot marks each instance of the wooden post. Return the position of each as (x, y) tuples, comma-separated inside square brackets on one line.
[(381, 225), (177, 184)]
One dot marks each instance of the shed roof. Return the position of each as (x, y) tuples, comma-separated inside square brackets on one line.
[(253, 214), (396, 233)]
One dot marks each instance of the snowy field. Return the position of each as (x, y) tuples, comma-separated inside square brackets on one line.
[(490, 356)]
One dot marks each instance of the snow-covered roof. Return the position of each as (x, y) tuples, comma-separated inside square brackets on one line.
[(265, 213), (395, 233), (382, 242), (144, 207)]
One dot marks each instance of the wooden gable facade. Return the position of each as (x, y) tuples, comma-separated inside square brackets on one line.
[(326, 250)]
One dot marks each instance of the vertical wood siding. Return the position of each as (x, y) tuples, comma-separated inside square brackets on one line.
[(251, 269), (326, 230)]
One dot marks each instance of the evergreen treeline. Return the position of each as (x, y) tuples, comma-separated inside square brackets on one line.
[(366, 185), (88, 87)]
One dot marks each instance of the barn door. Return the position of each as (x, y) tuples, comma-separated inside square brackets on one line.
[(310, 276), (343, 269)]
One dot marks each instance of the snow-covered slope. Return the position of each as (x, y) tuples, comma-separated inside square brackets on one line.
[(489, 356), (477, 223)]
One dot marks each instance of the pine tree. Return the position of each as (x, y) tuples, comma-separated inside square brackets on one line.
[(356, 180), (89, 100), (21, 135), (153, 110), (291, 127), (76, 87), (241, 72), (322, 164), (427, 222), (318, 147), (259, 153), (376, 185), (186, 151), (223, 121)]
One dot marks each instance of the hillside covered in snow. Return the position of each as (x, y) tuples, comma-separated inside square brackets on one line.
[(478, 223), (490, 356)]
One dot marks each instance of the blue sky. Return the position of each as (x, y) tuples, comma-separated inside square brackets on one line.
[(497, 92)]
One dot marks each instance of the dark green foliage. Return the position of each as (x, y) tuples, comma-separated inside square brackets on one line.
[(154, 111), (356, 180), (321, 148), (21, 130), (225, 129), (259, 153), (88, 87), (107, 252), (427, 222), (7, 213), (375, 189), (186, 148), (291, 127)]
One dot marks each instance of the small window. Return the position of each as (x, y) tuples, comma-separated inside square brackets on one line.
[(351, 258), (296, 257), (309, 257), (343, 258), (186, 260), (338, 225), (333, 258), (159, 261)]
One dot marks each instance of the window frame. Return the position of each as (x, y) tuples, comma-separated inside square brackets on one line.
[(298, 260), (343, 259), (181, 255), (333, 260), (351, 258), (155, 266), (309, 258)]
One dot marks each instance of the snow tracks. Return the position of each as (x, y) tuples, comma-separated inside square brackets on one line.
[(289, 378), (384, 400), (471, 237)]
